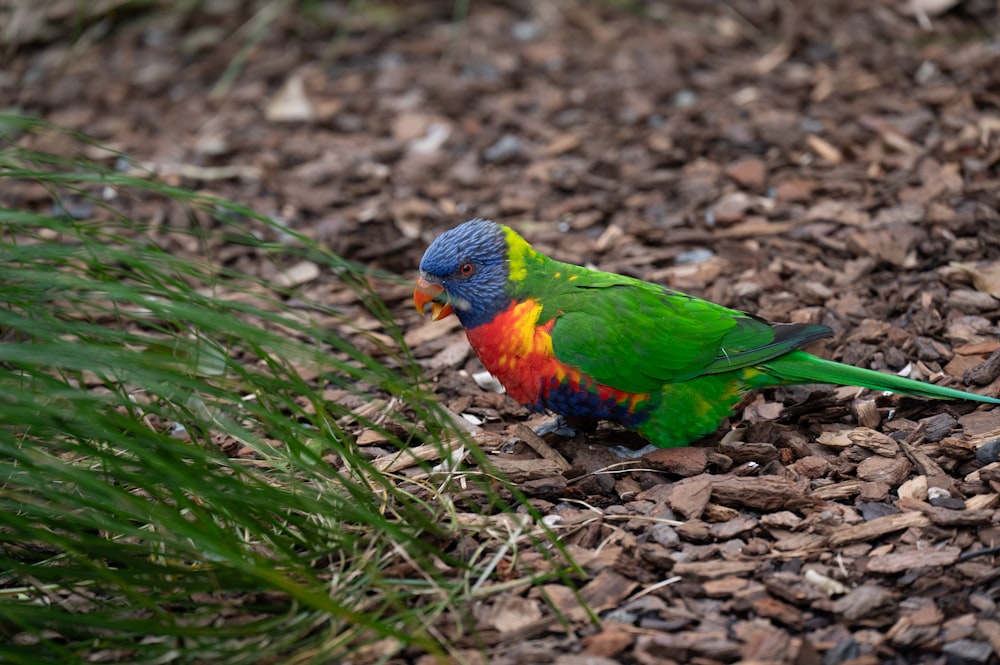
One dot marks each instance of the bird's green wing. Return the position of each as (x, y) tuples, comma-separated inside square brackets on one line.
[(636, 336)]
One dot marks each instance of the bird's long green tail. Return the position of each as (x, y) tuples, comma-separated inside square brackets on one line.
[(802, 367)]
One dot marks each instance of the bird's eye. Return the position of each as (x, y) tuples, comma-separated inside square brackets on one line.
[(467, 269)]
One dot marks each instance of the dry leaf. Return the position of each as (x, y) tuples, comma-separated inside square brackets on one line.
[(929, 7), (985, 277), (290, 104), (297, 275)]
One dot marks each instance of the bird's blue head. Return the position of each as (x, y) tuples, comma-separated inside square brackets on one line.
[(465, 271)]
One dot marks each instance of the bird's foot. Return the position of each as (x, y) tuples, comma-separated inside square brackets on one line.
[(558, 425), (630, 453)]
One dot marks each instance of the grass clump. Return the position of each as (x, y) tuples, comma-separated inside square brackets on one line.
[(131, 373)]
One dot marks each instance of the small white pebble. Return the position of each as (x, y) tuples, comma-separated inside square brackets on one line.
[(938, 493), (475, 420), (552, 520), (487, 381), (827, 585)]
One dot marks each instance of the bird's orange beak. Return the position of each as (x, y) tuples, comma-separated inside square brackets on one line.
[(434, 294)]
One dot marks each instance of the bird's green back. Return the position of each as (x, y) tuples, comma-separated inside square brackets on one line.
[(636, 336)]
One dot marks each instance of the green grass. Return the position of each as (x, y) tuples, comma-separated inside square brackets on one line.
[(126, 367)]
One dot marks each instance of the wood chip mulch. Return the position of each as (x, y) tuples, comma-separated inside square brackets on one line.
[(834, 162)]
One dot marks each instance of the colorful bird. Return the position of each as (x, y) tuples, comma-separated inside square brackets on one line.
[(588, 344)]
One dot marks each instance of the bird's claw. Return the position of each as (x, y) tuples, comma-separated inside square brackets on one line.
[(558, 426), (630, 453)]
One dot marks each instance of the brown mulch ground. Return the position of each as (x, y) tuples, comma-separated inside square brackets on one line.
[(825, 162)]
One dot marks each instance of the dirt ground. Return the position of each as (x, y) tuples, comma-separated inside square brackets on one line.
[(830, 162)]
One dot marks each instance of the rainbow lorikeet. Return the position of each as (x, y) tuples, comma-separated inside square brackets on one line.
[(583, 343)]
